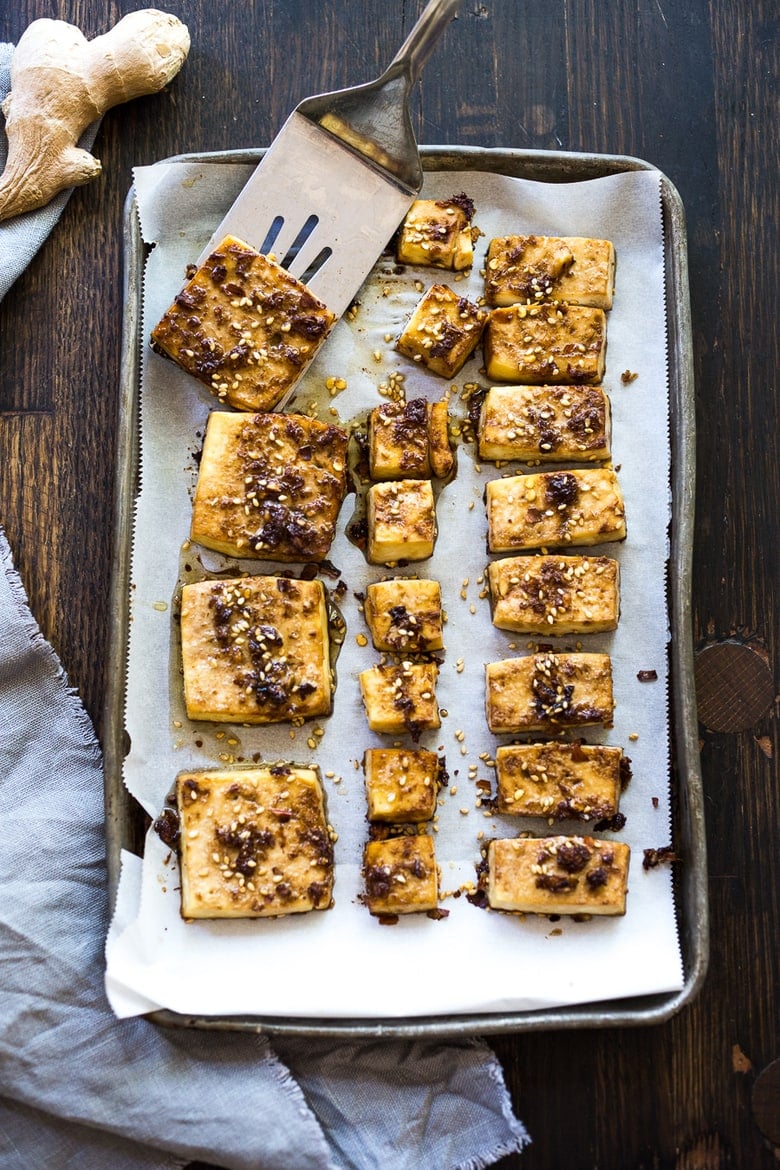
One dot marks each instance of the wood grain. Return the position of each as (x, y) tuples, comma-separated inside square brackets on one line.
[(692, 88)]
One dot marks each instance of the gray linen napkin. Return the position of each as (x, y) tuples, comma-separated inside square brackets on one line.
[(80, 1087)]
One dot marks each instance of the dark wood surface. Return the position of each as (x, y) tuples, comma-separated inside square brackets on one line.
[(690, 87)]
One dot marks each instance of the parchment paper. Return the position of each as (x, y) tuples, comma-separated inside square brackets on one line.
[(342, 963)]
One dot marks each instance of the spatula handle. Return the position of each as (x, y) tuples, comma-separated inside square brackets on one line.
[(418, 46)]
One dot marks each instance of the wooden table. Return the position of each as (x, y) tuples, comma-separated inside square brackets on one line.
[(690, 87)]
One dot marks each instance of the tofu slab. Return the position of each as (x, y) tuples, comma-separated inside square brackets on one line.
[(546, 692), (558, 875), (529, 269), (443, 331), (243, 327), (269, 486), (401, 875), (254, 842), (437, 233), (555, 594), (552, 509), (409, 440), (404, 615), (545, 424), (547, 344), (563, 781), (401, 785), (401, 518), (255, 650), (401, 698)]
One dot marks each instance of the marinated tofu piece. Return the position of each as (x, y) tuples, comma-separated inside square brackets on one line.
[(558, 875), (443, 331), (401, 786), (547, 344), (401, 876), (554, 594), (409, 440), (243, 326), (530, 269), (548, 692), (437, 233), (255, 650), (553, 509), (401, 698), (401, 519), (270, 486), (564, 781), (546, 424), (254, 842), (405, 615)]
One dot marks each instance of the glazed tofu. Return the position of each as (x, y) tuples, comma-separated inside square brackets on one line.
[(548, 344), (401, 518), (255, 650), (555, 595), (404, 615), (437, 233), (243, 326), (254, 842), (552, 509), (270, 486), (443, 331), (401, 698), (560, 780), (409, 440), (558, 875), (546, 424), (401, 876), (548, 692), (401, 785), (529, 269)]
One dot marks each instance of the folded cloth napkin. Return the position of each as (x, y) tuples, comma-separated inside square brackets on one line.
[(80, 1087)]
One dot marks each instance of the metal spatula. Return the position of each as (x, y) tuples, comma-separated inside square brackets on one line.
[(340, 176)]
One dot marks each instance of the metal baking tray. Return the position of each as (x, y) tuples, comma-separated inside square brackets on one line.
[(125, 820)]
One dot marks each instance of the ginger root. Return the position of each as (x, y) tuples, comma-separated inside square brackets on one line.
[(61, 83)]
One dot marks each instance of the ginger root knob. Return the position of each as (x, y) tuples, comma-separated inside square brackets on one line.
[(61, 83)]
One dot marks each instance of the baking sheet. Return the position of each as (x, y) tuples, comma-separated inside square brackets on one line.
[(533, 963)]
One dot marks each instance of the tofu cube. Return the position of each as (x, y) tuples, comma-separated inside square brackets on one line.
[(404, 615), (254, 842), (554, 594), (438, 233), (255, 650), (401, 519), (409, 440), (401, 876), (548, 344), (547, 692), (443, 331), (564, 781), (546, 424), (270, 486), (401, 698), (558, 875), (529, 269), (553, 509), (243, 326), (401, 786)]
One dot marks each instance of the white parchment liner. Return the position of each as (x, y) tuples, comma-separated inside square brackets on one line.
[(342, 963)]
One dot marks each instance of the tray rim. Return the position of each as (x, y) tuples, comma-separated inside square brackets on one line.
[(688, 797)]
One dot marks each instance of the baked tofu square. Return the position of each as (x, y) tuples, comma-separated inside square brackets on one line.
[(401, 786), (548, 344), (243, 326), (401, 876), (546, 692), (270, 486), (443, 331), (558, 875), (550, 268), (405, 615), (254, 843), (255, 650), (409, 440), (555, 595), (437, 233), (563, 781), (401, 520), (553, 509), (401, 698), (546, 424)]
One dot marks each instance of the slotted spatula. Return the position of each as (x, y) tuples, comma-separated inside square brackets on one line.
[(340, 176)]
